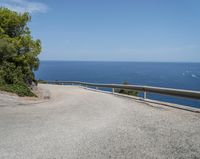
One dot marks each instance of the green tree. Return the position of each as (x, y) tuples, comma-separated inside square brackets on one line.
[(18, 51)]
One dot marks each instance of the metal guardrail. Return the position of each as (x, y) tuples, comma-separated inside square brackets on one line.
[(145, 89)]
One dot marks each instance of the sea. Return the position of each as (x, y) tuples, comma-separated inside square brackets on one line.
[(161, 74)]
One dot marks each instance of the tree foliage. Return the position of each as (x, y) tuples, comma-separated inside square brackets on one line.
[(18, 51)]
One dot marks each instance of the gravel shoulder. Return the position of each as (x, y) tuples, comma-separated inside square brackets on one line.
[(72, 122)]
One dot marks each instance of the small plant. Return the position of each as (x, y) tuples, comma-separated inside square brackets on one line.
[(126, 91)]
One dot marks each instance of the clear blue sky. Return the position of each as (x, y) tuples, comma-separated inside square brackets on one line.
[(115, 30)]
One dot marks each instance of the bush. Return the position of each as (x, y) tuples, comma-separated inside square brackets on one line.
[(127, 91), (19, 89)]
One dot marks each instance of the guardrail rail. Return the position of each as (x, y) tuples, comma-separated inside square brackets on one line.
[(159, 90)]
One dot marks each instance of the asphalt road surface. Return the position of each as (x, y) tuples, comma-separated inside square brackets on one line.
[(78, 123)]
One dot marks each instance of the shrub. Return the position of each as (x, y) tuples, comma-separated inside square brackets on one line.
[(127, 91), (19, 89)]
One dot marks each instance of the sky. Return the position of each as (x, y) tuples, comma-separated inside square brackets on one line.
[(114, 30)]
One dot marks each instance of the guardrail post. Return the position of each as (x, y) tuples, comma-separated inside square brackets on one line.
[(113, 90), (145, 94)]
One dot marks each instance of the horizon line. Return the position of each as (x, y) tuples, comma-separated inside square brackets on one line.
[(120, 61)]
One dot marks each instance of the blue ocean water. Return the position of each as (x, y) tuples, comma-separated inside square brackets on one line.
[(172, 75)]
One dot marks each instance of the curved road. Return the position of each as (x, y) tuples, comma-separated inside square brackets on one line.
[(79, 123)]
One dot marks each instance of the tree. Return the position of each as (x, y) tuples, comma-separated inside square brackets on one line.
[(18, 51)]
